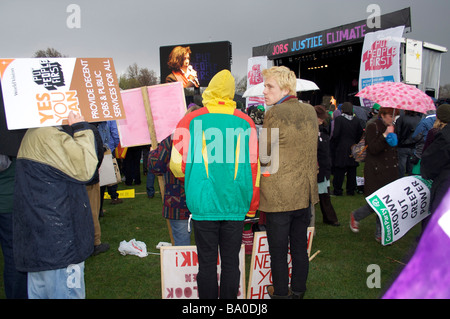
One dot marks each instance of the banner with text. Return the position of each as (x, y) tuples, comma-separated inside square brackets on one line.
[(400, 205), (40, 92), (255, 66), (260, 273), (339, 36), (380, 59), (179, 268)]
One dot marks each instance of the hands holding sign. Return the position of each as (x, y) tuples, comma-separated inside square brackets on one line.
[(75, 118)]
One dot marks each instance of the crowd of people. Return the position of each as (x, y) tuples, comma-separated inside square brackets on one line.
[(218, 170)]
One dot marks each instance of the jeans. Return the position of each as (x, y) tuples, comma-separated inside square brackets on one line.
[(15, 281), (150, 186), (365, 211), (181, 235), (211, 237), (288, 229), (404, 163), (64, 283)]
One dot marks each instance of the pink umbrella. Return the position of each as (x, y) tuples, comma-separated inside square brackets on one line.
[(399, 96)]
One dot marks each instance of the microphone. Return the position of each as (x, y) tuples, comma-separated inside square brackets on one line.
[(190, 70)]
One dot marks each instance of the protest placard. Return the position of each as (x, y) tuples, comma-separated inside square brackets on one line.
[(179, 268), (400, 205), (133, 130), (152, 114), (260, 273), (164, 103), (380, 59), (41, 92)]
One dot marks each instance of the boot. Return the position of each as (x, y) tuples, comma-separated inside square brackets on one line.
[(270, 290), (296, 295)]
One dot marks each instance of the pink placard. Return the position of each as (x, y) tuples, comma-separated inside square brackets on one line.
[(168, 107), (133, 130), (167, 104)]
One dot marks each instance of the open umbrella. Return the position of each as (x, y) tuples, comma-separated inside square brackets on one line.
[(302, 85), (399, 96)]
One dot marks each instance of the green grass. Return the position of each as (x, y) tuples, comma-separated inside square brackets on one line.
[(338, 271)]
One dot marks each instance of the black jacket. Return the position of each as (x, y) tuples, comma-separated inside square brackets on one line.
[(404, 128), (323, 155), (345, 133), (435, 165)]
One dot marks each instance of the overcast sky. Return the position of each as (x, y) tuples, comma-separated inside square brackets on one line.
[(132, 31)]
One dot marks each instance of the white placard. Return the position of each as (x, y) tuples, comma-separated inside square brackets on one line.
[(179, 268)]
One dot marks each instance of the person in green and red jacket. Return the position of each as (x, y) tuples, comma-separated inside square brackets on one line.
[(215, 151)]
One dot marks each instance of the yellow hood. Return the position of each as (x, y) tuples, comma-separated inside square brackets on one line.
[(220, 91)]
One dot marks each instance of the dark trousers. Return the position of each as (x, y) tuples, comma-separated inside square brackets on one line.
[(212, 237), (15, 281), (338, 180), (131, 165), (328, 212), (288, 229)]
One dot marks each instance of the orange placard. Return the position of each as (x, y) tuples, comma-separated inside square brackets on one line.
[(42, 91)]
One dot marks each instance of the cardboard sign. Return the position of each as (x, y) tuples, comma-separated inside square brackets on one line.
[(40, 92), (260, 272), (400, 205), (133, 130), (179, 268), (165, 103)]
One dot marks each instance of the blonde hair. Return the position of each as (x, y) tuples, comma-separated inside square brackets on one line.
[(284, 77)]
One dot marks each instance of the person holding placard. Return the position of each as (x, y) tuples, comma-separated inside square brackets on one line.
[(288, 181), (381, 165), (53, 226), (215, 152)]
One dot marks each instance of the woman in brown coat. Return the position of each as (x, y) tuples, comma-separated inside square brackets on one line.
[(381, 165), (289, 180)]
